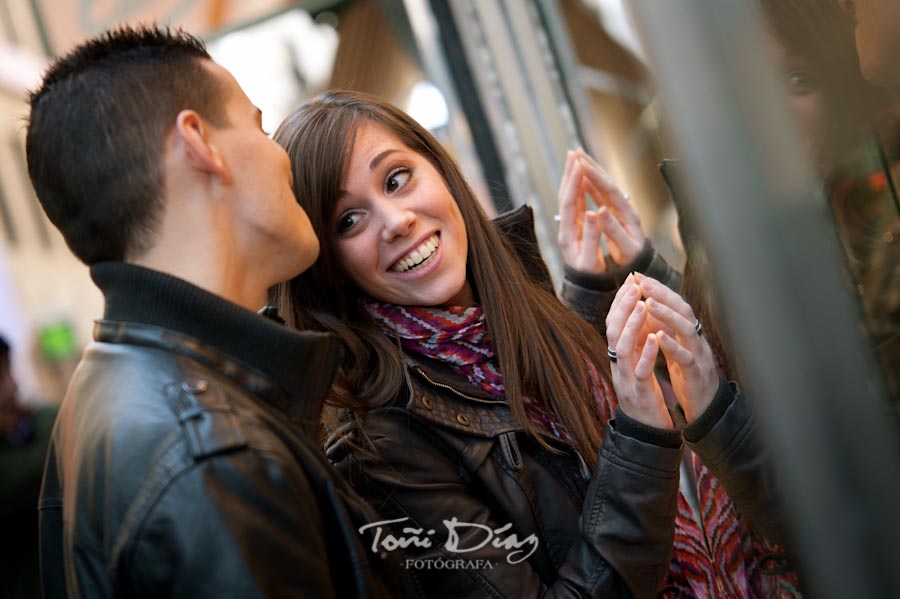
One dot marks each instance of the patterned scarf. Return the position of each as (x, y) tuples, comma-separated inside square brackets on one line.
[(458, 336)]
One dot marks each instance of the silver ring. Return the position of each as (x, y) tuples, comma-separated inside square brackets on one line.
[(698, 327), (613, 357)]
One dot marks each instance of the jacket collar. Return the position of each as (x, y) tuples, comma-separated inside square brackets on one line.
[(292, 370), (517, 227)]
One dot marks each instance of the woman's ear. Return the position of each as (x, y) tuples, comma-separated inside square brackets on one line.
[(200, 150)]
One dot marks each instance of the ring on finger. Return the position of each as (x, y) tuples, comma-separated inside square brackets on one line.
[(613, 356), (698, 327)]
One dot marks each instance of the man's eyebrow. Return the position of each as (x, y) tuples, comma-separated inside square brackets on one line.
[(377, 160)]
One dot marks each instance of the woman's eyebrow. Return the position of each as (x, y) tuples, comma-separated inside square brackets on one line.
[(380, 157)]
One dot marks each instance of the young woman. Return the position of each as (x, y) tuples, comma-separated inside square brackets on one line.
[(473, 408), (473, 402)]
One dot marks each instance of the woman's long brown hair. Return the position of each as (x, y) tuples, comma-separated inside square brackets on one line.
[(541, 346)]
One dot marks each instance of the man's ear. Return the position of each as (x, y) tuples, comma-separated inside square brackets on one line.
[(202, 153)]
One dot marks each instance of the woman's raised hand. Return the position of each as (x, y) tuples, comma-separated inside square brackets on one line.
[(633, 353), (580, 229), (691, 363)]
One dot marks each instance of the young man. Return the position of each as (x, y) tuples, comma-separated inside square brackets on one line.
[(185, 460)]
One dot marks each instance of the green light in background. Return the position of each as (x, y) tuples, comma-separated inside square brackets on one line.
[(57, 341)]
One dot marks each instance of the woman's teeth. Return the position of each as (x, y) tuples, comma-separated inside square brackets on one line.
[(418, 256)]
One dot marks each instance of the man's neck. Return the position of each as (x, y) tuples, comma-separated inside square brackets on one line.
[(227, 278)]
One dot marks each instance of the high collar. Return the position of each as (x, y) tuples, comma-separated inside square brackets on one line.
[(301, 364)]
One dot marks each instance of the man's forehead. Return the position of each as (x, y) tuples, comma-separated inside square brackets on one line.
[(236, 97)]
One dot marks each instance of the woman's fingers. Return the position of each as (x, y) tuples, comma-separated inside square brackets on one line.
[(643, 370), (571, 213), (622, 306), (590, 259), (607, 188), (673, 351), (651, 288), (681, 325), (694, 376), (628, 341), (628, 246)]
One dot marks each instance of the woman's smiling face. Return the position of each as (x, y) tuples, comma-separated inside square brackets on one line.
[(399, 234)]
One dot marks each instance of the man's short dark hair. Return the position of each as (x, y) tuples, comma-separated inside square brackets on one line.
[(97, 130)]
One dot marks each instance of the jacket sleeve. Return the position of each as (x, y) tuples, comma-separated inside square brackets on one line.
[(726, 437), (626, 524), (590, 296), (242, 524)]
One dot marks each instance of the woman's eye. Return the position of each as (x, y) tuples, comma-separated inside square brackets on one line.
[(346, 222), (396, 179), (800, 82)]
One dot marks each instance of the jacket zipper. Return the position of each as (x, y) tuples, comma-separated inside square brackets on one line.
[(459, 393)]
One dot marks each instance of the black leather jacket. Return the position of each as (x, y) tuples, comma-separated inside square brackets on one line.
[(445, 449), (179, 468)]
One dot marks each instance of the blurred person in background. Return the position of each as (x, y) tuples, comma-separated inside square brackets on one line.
[(877, 32), (24, 436), (852, 129), (869, 192)]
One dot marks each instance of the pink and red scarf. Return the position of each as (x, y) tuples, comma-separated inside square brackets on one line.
[(458, 336)]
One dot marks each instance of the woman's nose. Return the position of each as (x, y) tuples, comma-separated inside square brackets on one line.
[(398, 222)]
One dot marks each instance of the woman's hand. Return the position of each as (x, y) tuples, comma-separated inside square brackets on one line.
[(692, 366), (637, 389), (580, 229)]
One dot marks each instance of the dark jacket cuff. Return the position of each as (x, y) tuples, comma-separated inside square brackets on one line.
[(722, 400), (594, 282), (661, 437), (639, 264)]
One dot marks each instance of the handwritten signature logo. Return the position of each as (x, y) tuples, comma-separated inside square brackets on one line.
[(462, 537)]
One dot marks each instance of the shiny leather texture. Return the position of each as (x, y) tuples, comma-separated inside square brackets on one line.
[(446, 450), (175, 471)]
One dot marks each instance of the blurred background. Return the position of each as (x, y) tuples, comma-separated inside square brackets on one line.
[(790, 177), (508, 86)]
